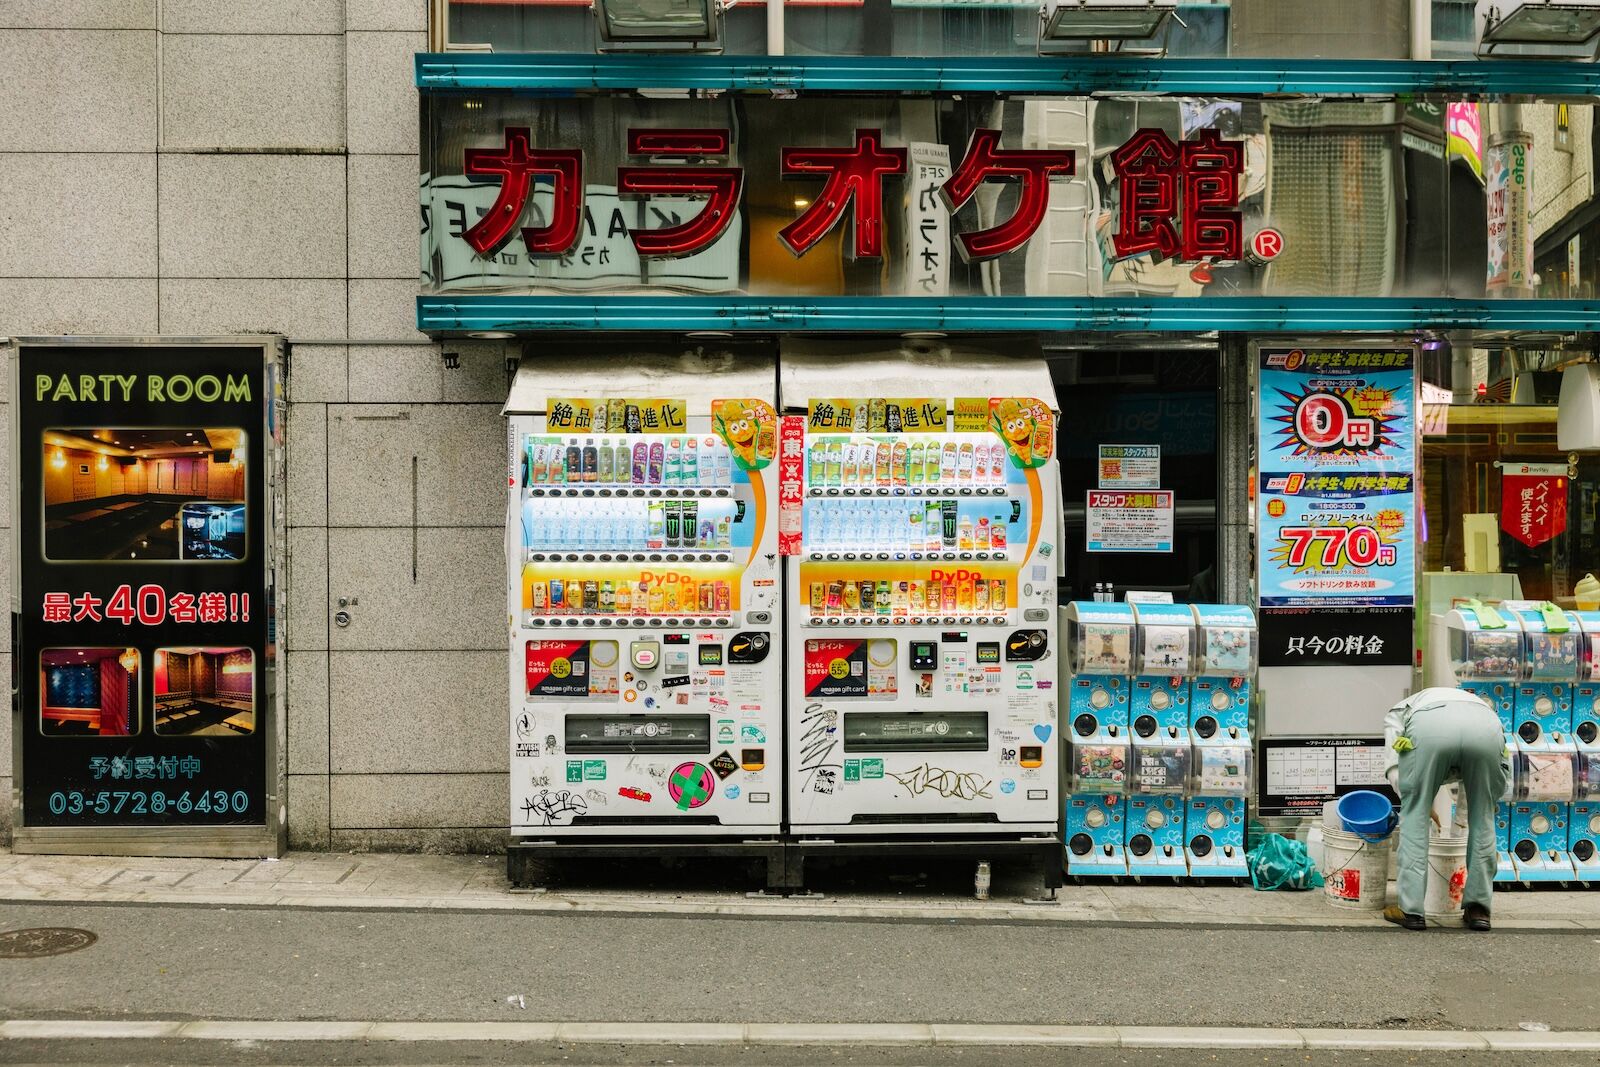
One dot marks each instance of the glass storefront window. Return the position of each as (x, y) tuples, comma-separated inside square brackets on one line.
[(1288, 29), (1497, 487)]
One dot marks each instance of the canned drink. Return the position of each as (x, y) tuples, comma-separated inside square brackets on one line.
[(861, 420), (616, 414), (819, 598), (630, 419), (877, 415), (591, 597), (558, 602), (708, 596), (867, 596), (997, 595), (537, 595), (835, 597), (724, 600)]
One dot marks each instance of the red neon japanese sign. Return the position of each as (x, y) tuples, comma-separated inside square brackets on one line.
[(1178, 200)]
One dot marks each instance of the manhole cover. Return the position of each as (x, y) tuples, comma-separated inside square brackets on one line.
[(43, 941)]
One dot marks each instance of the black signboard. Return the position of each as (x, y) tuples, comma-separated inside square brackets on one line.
[(1297, 776), (142, 640)]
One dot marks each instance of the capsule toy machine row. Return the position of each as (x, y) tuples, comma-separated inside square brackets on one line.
[(1099, 664), (1486, 650), (646, 694), (1584, 824), (1546, 777), (1166, 661), (1227, 644), (922, 678)]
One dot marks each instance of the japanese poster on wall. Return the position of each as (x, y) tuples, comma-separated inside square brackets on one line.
[(1533, 501), (1336, 505), (1129, 522), (142, 640)]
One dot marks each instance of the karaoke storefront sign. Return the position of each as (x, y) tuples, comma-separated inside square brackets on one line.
[(143, 647)]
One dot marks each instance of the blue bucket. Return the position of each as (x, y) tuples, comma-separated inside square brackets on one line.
[(1367, 813)]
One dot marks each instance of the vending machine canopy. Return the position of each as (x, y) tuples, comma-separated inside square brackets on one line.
[(696, 377), (813, 367)]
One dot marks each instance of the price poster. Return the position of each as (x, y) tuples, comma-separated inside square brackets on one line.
[(1336, 504)]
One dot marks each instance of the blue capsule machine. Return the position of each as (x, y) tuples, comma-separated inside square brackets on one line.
[(1158, 711), (1545, 757), (1100, 647), (1227, 641), (1583, 828), (1486, 660)]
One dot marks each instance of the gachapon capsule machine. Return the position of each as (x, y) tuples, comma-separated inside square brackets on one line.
[(1100, 643), (643, 602), (1167, 658), (1158, 781), (1486, 660), (1546, 752), (1219, 708), (1583, 828), (1226, 639), (921, 639)]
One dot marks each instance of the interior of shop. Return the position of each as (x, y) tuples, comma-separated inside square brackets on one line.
[(89, 692), (144, 493), (205, 692)]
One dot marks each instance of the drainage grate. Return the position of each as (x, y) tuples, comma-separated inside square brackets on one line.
[(43, 941)]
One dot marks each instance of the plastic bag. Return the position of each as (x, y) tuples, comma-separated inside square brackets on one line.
[(1282, 863)]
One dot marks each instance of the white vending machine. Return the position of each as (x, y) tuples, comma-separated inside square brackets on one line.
[(922, 687), (644, 609)]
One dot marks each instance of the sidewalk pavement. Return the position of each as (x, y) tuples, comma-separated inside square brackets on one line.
[(478, 883)]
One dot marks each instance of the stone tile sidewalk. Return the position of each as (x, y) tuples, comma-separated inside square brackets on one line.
[(474, 883)]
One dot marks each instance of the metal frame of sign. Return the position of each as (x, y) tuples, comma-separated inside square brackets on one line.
[(265, 837)]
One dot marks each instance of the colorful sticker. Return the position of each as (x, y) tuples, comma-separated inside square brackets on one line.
[(724, 766), (1027, 426), (690, 785), (749, 427)]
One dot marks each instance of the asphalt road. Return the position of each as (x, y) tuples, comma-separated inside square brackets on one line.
[(180, 962)]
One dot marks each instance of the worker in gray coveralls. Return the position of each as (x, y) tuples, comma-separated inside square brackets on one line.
[(1433, 737)]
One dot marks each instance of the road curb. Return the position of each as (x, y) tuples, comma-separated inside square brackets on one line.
[(833, 1035), (1063, 914)]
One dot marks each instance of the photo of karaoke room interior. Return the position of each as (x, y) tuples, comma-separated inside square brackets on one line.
[(205, 692), (88, 692), (144, 493)]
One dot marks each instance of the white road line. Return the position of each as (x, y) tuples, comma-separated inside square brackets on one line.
[(835, 1035)]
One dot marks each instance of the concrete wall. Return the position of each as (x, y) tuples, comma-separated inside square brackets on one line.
[(203, 166)]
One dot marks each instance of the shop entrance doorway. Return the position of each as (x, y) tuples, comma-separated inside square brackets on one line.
[(1161, 404)]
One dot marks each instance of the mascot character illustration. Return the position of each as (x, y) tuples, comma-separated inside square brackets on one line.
[(739, 427), (1014, 423)]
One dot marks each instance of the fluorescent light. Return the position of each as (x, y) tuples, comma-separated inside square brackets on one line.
[(658, 24), (1103, 20)]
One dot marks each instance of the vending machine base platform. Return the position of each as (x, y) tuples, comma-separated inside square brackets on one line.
[(1044, 851), (527, 859), (1546, 868)]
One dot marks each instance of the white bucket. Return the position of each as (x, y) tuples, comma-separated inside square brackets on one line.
[(1355, 871), (1447, 877)]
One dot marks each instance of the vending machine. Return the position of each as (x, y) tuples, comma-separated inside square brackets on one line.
[(1486, 659), (644, 606), (1584, 825), (921, 631), (1546, 754), (1227, 642), (1100, 643)]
